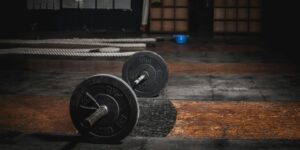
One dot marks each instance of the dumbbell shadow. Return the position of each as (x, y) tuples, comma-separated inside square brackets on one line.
[(105, 108), (157, 118)]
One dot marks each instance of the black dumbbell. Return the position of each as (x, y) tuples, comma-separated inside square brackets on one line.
[(104, 108), (146, 72)]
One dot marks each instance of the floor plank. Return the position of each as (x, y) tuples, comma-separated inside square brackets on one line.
[(205, 119)]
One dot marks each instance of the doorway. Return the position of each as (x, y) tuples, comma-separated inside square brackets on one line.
[(201, 17)]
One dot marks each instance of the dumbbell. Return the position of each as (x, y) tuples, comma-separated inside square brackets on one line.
[(146, 72), (104, 108)]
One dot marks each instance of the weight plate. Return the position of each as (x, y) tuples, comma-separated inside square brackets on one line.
[(113, 92), (156, 71)]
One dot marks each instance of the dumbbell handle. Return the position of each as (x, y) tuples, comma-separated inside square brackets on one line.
[(141, 78), (98, 114)]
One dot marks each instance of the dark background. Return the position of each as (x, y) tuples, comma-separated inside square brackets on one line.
[(16, 18), (279, 23)]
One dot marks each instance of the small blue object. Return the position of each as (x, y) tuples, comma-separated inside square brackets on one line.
[(181, 39)]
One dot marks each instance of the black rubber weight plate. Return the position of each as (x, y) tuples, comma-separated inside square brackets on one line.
[(120, 99), (156, 68)]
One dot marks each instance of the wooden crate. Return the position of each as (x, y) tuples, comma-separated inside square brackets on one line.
[(242, 3), (255, 3), (219, 26), (230, 26), (255, 13), (219, 13), (255, 27), (181, 26), (155, 26), (168, 2), (230, 13), (182, 3), (181, 13), (242, 13), (242, 26), (242, 16), (168, 13), (168, 26), (155, 13), (219, 3), (231, 3), (172, 16)]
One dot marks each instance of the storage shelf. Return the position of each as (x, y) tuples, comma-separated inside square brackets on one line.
[(169, 17), (243, 20), (236, 7), (237, 16)]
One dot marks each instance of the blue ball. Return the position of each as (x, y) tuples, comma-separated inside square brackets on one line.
[(181, 39)]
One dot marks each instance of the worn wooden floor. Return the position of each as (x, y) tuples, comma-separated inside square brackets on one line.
[(259, 116), (206, 119)]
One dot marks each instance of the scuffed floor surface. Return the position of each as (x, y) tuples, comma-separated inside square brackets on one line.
[(16, 141), (219, 96)]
